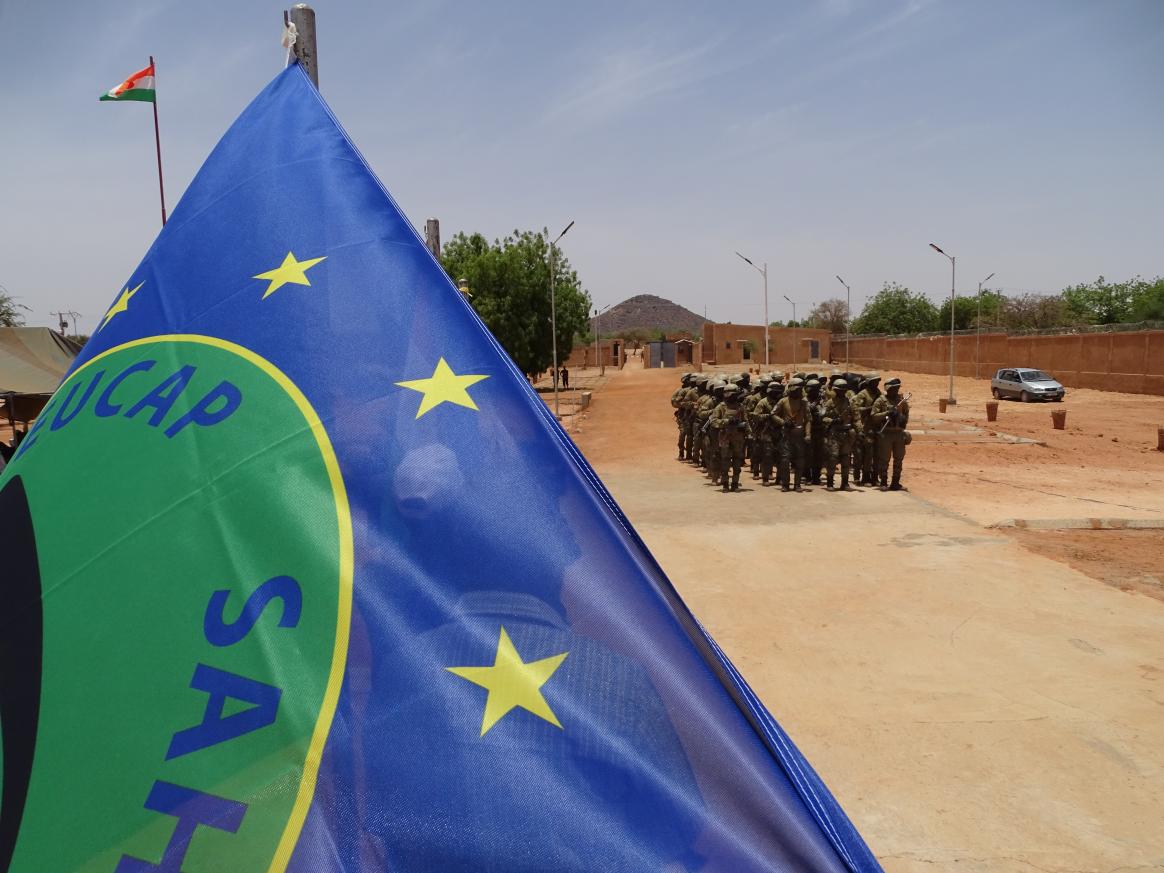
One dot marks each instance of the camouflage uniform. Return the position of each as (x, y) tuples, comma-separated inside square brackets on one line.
[(765, 430), (710, 443), (839, 433), (793, 416), (890, 416), (816, 451), (678, 399), (697, 390), (702, 411), (730, 428), (752, 451), (865, 454), (776, 430)]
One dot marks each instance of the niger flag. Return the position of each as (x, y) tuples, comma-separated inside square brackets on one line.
[(139, 86)]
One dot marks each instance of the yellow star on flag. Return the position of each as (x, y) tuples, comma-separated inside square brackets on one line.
[(290, 271), (444, 386), (122, 304), (512, 682)]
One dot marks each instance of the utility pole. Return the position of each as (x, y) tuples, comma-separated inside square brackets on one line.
[(554, 315), (764, 273), (432, 237), (848, 318), (951, 400), (794, 324), (301, 17), (978, 341)]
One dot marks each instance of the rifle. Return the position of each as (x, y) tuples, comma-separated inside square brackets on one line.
[(894, 409)]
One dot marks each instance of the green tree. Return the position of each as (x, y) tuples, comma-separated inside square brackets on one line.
[(896, 309), (1035, 312), (965, 313), (830, 315), (635, 336), (1099, 302), (11, 311), (1148, 299), (509, 280)]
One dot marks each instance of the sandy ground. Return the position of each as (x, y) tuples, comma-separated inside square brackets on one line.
[(974, 705)]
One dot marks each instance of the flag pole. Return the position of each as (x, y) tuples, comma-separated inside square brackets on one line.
[(158, 143)]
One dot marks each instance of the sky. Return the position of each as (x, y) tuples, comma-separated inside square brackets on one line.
[(826, 137)]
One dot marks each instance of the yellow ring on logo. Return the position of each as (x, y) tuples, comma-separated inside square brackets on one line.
[(339, 656)]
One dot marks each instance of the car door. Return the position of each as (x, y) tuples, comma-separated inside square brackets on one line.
[(1011, 381)]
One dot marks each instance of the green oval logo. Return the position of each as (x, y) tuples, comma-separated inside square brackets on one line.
[(194, 561)]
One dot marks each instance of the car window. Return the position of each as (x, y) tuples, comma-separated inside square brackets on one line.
[(1008, 375), (1036, 376)]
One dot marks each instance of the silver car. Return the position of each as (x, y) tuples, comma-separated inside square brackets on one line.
[(1025, 384)]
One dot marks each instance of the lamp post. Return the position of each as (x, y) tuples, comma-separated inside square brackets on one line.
[(978, 340), (554, 315), (764, 273), (785, 296), (848, 318), (597, 341), (951, 399)]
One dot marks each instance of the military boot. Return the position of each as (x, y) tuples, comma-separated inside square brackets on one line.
[(845, 481), (726, 487), (896, 486), (831, 484)]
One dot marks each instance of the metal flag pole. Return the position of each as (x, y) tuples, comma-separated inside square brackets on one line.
[(158, 142)]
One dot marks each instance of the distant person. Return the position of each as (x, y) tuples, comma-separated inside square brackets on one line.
[(565, 377)]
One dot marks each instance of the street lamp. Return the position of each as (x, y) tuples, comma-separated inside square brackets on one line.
[(554, 315), (978, 341), (597, 344), (764, 273), (785, 296), (848, 318), (951, 399)]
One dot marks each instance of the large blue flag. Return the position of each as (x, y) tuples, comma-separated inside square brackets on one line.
[(302, 575)]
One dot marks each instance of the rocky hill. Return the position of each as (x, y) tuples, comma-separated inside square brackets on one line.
[(650, 313)]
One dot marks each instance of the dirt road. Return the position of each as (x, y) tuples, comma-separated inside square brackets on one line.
[(973, 705)]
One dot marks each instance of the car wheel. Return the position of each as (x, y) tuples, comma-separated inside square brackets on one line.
[(1025, 397), (994, 393)]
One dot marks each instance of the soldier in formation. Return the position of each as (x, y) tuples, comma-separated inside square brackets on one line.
[(728, 427), (890, 416), (794, 435), (865, 450), (840, 430), (792, 415)]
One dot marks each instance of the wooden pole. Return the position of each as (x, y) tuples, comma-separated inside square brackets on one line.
[(303, 17), (158, 143)]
